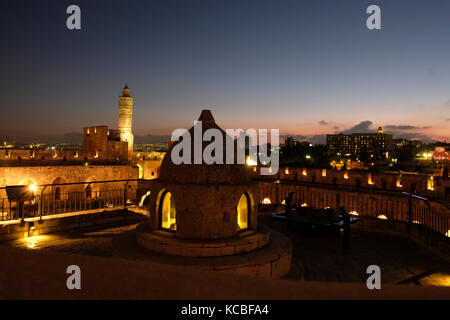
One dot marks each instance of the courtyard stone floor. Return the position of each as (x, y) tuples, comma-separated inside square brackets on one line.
[(316, 257)]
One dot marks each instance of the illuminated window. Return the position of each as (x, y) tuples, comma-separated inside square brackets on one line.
[(266, 201), (243, 211), (141, 172), (304, 172), (324, 172), (167, 212), (430, 183)]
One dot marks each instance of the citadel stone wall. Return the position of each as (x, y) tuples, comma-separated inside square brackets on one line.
[(10, 176), (433, 187)]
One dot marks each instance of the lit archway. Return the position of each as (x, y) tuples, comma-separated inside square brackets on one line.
[(141, 172), (243, 212), (266, 201), (167, 212)]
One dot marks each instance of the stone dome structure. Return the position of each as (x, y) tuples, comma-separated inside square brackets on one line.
[(204, 173), (203, 201), (210, 211)]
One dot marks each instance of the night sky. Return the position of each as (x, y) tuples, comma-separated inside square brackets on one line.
[(305, 67)]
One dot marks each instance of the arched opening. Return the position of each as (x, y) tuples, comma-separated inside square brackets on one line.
[(58, 193), (88, 191), (141, 172), (58, 190), (167, 212), (243, 212), (266, 201)]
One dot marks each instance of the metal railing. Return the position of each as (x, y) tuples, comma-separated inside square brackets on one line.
[(48, 204), (49, 200), (381, 204)]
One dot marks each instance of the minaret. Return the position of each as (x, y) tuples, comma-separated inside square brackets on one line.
[(126, 119)]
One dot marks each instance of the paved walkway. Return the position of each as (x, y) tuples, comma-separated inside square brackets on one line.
[(320, 257), (315, 257)]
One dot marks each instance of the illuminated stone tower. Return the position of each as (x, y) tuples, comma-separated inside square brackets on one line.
[(126, 119)]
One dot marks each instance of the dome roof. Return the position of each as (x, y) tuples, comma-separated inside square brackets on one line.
[(126, 92), (203, 173)]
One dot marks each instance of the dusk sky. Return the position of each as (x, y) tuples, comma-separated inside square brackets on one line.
[(305, 67)]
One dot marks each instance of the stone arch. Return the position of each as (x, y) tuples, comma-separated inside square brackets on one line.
[(59, 192), (244, 210), (91, 190), (166, 210)]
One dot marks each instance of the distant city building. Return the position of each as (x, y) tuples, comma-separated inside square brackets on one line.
[(290, 142), (400, 143), (357, 143), (440, 154)]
